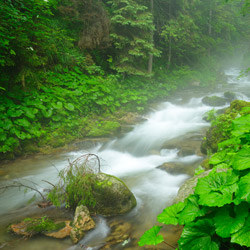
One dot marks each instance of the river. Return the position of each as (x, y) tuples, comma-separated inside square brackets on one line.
[(134, 158)]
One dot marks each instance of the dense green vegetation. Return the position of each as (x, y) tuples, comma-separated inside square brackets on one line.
[(67, 67), (216, 216)]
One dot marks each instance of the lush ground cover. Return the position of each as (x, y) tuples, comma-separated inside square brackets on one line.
[(73, 105)]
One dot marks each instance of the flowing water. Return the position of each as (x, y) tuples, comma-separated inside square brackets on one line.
[(134, 158)]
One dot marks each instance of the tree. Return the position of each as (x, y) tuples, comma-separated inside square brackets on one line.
[(132, 27)]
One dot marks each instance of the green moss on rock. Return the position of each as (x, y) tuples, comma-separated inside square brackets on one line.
[(221, 127)]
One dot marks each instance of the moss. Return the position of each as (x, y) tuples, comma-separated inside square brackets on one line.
[(42, 224), (221, 127)]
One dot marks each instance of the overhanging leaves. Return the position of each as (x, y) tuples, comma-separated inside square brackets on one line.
[(170, 214)]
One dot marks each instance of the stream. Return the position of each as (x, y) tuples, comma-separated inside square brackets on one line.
[(166, 131)]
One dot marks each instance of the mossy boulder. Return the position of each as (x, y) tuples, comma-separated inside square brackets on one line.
[(221, 126), (112, 196), (214, 101)]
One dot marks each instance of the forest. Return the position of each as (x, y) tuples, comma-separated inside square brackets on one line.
[(76, 69), (69, 67)]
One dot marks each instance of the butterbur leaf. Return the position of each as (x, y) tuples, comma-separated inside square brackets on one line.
[(191, 210), (218, 158), (243, 192), (226, 224), (69, 106), (242, 237), (216, 189), (170, 214), (242, 159), (151, 237), (198, 235)]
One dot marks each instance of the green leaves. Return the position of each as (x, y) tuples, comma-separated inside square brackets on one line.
[(216, 189), (151, 237), (227, 224), (198, 235), (170, 214), (242, 237), (242, 159), (69, 106)]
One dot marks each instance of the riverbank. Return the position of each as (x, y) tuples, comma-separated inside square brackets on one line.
[(72, 107)]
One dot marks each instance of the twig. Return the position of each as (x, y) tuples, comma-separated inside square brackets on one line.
[(49, 183), (168, 244), (20, 185)]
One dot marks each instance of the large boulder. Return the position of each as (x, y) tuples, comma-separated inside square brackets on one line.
[(112, 196), (82, 223)]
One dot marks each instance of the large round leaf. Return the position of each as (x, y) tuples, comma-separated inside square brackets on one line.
[(242, 237), (242, 159), (226, 224), (198, 236)]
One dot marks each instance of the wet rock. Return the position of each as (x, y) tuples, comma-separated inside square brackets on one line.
[(214, 101), (187, 150), (230, 96), (120, 234), (82, 222), (112, 196), (174, 168)]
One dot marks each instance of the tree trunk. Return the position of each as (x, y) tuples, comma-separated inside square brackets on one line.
[(210, 26), (170, 40), (150, 59)]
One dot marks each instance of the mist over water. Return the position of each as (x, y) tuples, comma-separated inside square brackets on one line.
[(135, 157)]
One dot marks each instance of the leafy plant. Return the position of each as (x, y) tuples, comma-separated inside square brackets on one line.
[(216, 216)]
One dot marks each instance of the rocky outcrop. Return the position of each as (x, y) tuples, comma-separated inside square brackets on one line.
[(112, 196), (82, 223)]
